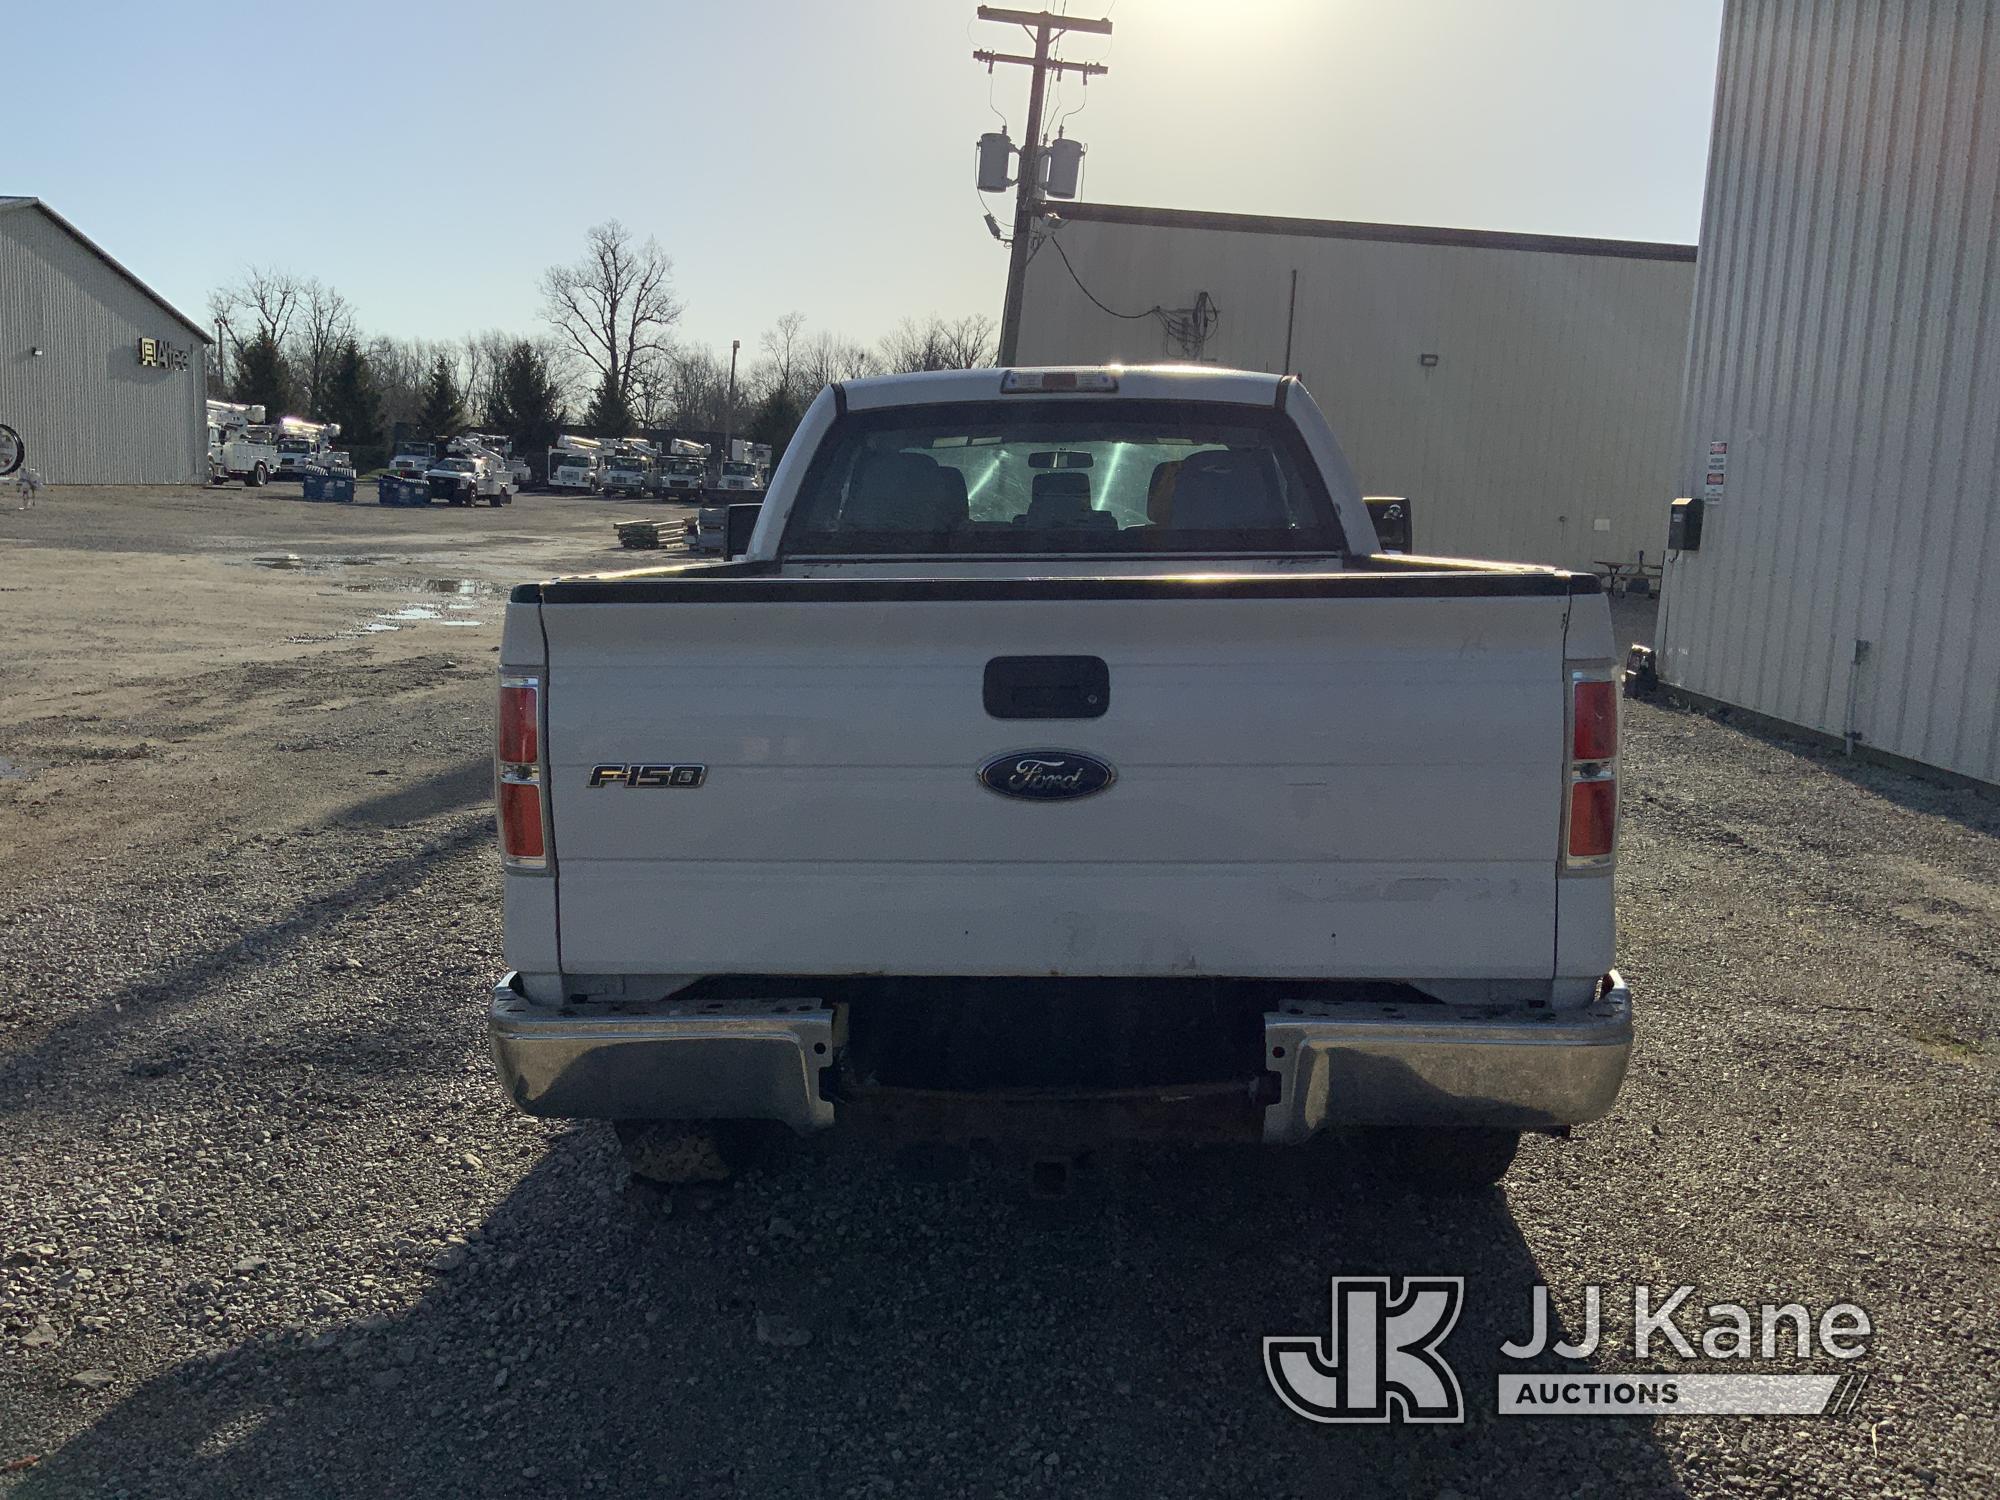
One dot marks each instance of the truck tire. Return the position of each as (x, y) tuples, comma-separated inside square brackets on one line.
[(673, 1152), (257, 477), (1439, 1160)]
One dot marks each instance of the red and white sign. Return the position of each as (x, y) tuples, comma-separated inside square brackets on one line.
[(1718, 470)]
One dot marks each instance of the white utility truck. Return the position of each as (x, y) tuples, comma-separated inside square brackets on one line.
[(518, 472), (304, 445), (469, 473), (628, 471), (1061, 760), (682, 470), (240, 445), (577, 463), (412, 457)]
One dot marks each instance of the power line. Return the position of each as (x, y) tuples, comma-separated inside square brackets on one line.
[(1129, 317), (1190, 327)]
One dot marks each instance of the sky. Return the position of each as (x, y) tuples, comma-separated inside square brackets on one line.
[(430, 159)]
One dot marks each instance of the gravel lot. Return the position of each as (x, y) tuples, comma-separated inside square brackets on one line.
[(267, 1228)]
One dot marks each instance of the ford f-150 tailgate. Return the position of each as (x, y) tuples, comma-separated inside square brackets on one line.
[(1351, 773)]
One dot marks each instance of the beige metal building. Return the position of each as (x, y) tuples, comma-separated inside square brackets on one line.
[(1522, 390), (104, 380), (1845, 368)]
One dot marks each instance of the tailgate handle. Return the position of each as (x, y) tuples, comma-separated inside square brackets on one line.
[(1047, 687)]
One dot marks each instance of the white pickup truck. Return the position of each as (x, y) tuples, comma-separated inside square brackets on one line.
[(1063, 762)]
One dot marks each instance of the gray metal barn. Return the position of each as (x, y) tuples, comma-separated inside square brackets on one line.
[(1522, 390), (1845, 369), (103, 379)]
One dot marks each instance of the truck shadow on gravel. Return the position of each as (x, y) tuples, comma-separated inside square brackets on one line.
[(106, 1035), (832, 1327)]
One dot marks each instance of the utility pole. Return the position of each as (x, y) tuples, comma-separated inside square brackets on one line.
[(1028, 186), (729, 421)]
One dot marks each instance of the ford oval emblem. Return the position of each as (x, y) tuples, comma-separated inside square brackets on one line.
[(1045, 775)]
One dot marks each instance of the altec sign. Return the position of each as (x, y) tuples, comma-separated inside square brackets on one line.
[(158, 354)]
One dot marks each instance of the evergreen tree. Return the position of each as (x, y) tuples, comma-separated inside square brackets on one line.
[(262, 377), (776, 418), (610, 415), (354, 403), (442, 414), (526, 403)]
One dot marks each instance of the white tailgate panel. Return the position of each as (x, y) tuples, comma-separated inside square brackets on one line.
[(1363, 787)]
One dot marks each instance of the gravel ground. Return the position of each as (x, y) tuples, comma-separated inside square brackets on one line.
[(267, 1228)]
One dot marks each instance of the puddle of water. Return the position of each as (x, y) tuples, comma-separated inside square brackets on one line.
[(457, 588), (291, 562), (376, 627), (411, 612), (461, 622), (11, 772)]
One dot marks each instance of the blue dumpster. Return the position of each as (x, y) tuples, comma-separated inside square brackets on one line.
[(318, 484), (402, 489)]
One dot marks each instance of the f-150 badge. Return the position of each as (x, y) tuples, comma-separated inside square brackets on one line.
[(648, 776), (1045, 775)]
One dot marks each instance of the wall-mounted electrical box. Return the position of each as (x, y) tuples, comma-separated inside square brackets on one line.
[(1684, 525)]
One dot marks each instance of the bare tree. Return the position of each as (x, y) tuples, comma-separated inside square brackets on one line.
[(266, 301), (780, 343), (827, 357), (652, 398), (479, 357), (933, 344), (700, 390), (615, 307), (325, 323), (973, 342), (400, 368)]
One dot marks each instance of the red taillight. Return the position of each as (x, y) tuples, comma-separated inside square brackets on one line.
[(520, 732), (1590, 819), (521, 820), (1595, 736), (1593, 818), (518, 750)]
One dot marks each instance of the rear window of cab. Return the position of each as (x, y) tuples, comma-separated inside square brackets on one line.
[(1076, 474)]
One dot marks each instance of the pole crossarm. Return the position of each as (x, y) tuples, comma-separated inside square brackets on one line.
[(1054, 65), (1040, 18)]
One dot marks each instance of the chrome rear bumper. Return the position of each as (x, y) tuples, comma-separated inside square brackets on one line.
[(1333, 1065), (1426, 1065), (697, 1060)]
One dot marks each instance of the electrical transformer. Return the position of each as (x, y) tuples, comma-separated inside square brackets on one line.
[(1063, 164), (994, 151)]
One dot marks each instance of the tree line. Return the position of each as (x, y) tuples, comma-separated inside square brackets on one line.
[(610, 354)]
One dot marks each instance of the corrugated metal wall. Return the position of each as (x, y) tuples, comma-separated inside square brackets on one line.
[(1847, 348), (1546, 430), (89, 412)]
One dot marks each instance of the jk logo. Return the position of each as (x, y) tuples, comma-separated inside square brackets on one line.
[(1380, 1350)]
